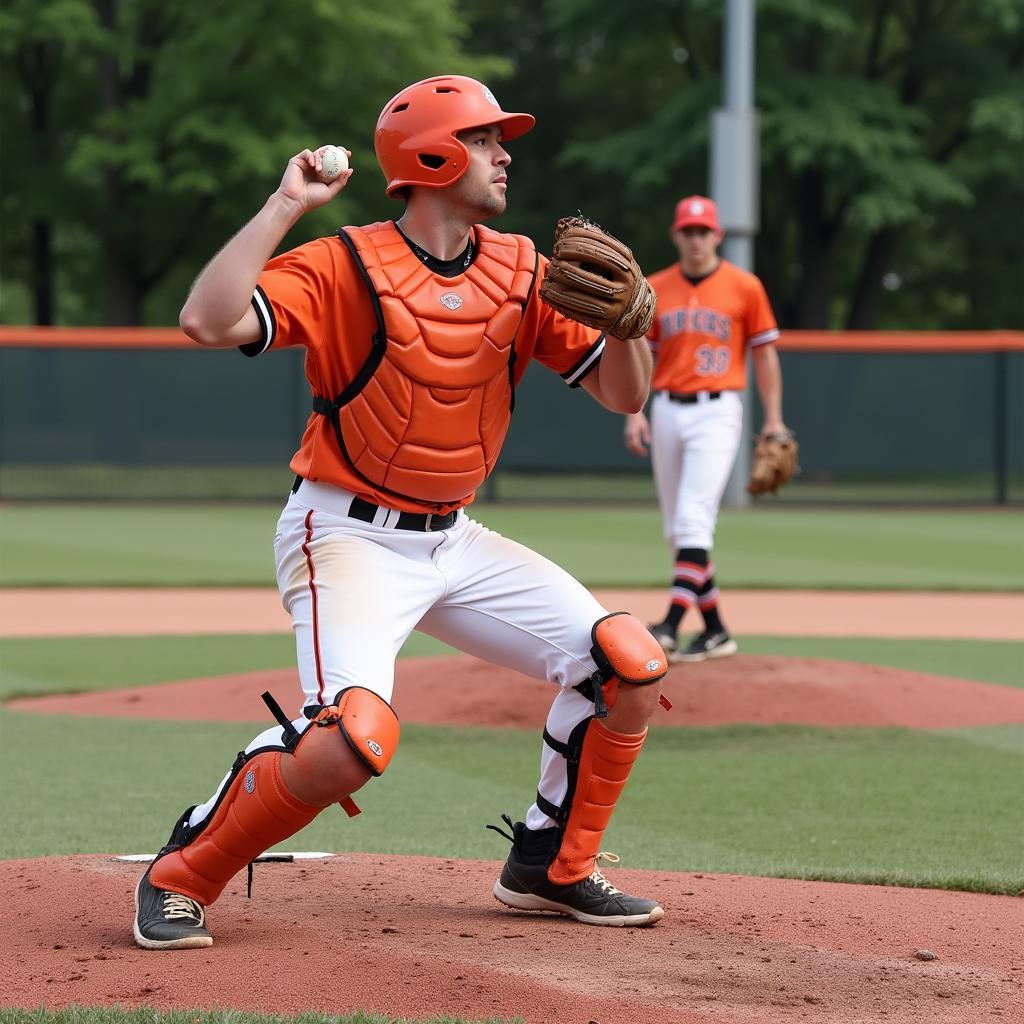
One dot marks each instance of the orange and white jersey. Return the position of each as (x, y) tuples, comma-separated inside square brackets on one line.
[(313, 297), (701, 331)]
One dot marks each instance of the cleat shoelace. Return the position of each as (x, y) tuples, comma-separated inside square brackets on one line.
[(177, 906), (598, 879)]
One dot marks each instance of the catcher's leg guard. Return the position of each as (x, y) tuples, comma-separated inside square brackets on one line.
[(600, 759), (596, 781), (271, 793)]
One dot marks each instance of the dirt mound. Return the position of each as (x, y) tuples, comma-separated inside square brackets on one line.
[(418, 937), (462, 690)]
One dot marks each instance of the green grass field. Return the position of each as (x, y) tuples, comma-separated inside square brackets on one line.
[(207, 545), (864, 805), (937, 808)]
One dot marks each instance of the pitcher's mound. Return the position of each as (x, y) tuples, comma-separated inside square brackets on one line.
[(460, 690)]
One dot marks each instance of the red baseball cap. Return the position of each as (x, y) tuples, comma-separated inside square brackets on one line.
[(696, 212)]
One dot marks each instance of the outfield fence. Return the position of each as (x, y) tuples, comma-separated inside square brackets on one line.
[(143, 413)]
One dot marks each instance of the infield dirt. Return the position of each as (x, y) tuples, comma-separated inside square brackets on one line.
[(416, 937)]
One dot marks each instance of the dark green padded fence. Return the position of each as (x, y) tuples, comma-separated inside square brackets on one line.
[(188, 423)]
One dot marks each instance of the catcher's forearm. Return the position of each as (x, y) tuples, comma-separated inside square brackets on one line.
[(623, 376), (768, 374)]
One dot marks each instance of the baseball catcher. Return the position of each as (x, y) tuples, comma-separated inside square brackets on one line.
[(417, 331), (775, 462), (594, 279)]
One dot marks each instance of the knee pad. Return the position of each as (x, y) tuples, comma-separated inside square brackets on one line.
[(625, 652), (257, 808), (367, 723)]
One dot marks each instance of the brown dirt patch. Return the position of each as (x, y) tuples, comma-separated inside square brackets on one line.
[(126, 611), (419, 936), (460, 690)]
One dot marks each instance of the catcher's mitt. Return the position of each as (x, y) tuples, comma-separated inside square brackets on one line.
[(775, 462), (594, 279)]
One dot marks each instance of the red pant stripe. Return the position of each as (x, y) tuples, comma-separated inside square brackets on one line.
[(316, 617)]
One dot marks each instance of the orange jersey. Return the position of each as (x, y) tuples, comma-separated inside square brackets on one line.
[(313, 296), (701, 331)]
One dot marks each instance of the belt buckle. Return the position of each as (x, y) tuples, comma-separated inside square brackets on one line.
[(428, 521)]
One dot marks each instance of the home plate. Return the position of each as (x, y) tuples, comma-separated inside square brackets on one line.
[(266, 858)]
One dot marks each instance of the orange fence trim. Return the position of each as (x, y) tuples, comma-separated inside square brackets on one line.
[(902, 341), (790, 341), (94, 337)]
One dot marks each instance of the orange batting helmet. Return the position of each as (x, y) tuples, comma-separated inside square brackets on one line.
[(415, 137)]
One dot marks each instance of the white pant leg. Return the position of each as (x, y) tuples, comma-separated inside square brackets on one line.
[(513, 607), (355, 592), (711, 436), (667, 445)]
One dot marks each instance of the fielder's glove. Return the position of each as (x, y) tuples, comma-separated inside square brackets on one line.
[(594, 279), (775, 462)]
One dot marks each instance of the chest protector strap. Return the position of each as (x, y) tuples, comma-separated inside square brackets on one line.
[(426, 414)]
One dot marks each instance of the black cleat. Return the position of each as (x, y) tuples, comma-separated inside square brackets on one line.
[(665, 636), (708, 645), (594, 900), (168, 920)]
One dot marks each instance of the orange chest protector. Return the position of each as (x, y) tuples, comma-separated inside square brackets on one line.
[(427, 413)]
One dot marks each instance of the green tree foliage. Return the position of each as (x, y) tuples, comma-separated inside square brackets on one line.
[(139, 135), (891, 143), (167, 125)]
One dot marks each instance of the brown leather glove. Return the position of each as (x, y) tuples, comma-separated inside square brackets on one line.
[(593, 278), (774, 463)]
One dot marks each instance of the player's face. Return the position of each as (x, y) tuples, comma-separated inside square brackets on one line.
[(482, 187), (698, 247)]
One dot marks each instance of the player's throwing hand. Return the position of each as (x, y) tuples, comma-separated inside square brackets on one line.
[(302, 184)]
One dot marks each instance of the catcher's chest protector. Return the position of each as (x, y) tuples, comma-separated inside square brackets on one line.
[(429, 419)]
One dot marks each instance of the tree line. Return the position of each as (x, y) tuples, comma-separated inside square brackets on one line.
[(137, 136)]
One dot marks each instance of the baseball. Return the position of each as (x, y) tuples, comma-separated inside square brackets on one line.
[(334, 161)]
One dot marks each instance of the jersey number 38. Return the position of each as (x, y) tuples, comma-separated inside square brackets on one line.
[(713, 360)]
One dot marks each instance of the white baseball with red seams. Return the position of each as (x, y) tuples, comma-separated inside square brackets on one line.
[(333, 161)]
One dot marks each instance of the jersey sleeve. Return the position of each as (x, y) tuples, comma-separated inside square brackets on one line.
[(293, 298), (761, 325), (572, 350)]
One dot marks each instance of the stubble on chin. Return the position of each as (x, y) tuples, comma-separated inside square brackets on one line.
[(482, 203)]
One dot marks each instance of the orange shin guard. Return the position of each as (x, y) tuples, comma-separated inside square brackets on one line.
[(606, 759), (255, 813)]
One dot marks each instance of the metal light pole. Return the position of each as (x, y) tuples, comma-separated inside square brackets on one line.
[(735, 182)]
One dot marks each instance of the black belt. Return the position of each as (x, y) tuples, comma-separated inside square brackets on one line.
[(422, 522), (691, 398)]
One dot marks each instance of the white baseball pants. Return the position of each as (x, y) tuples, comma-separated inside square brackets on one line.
[(356, 591), (693, 448)]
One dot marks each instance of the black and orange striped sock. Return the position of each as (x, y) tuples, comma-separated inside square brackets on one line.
[(707, 602), (687, 579)]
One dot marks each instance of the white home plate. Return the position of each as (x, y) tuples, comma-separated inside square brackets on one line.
[(267, 858)]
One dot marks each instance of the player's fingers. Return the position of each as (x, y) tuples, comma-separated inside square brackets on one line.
[(334, 187), (633, 441)]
